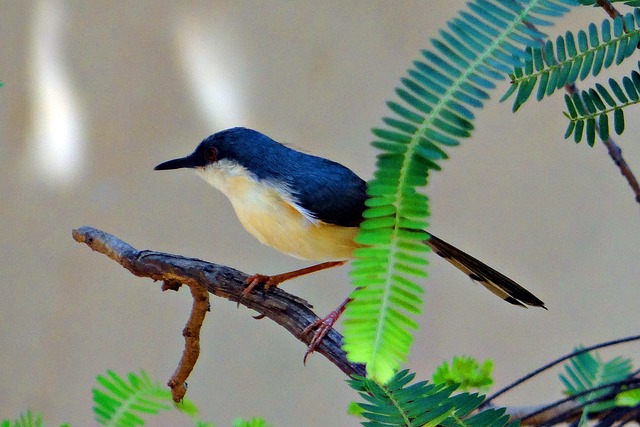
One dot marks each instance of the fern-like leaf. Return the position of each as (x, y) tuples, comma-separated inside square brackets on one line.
[(27, 419), (123, 402), (586, 371), (480, 47), (402, 402), (588, 111), (572, 58)]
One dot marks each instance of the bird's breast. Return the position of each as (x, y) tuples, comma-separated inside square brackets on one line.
[(268, 215)]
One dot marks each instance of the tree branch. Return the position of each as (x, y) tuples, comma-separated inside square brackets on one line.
[(289, 311)]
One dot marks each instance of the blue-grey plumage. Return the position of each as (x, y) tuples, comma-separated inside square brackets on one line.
[(306, 206)]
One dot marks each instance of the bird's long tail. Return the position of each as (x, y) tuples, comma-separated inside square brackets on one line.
[(493, 280)]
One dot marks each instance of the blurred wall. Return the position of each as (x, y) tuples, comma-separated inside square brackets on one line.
[(97, 93)]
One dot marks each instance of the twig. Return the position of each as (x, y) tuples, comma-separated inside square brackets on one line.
[(538, 415), (556, 362), (289, 311), (608, 7), (191, 334)]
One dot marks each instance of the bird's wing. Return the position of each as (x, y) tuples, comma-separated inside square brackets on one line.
[(334, 194)]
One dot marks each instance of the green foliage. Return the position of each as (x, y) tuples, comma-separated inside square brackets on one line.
[(480, 47), (466, 372), (28, 419), (573, 58), (355, 409), (402, 402), (629, 398), (123, 403), (587, 371), (253, 422), (588, 111)]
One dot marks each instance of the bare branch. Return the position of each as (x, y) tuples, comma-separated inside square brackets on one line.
[(608, 7), (542, 414), (191, 334), (289, 311)]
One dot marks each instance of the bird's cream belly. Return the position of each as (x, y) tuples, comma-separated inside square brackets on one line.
[(274, 222), (291, 233)]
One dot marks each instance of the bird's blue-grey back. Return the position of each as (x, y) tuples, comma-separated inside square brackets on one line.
[(328, 190)]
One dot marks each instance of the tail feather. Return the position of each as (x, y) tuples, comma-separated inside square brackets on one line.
[(493, 280)]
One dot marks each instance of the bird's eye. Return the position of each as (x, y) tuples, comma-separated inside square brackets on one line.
[(211, 154)]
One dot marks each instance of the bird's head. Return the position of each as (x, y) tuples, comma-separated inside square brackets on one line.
[(236, 145)]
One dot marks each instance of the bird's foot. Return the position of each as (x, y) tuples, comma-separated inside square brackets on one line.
[(259, 280), (322, 327)]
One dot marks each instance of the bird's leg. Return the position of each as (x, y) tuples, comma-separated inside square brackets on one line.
[(275, 280), (322, 327)]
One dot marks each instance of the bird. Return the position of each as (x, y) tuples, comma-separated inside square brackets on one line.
[(308, 207)]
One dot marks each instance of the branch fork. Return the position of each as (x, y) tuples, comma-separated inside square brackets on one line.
[(204, 278)]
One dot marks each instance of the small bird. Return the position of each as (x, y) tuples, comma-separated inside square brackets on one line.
[(307, 207)]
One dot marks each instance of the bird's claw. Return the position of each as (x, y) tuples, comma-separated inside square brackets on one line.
[(257, 280), (322, 328)]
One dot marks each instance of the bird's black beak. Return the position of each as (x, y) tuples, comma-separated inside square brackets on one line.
[(183, 162)]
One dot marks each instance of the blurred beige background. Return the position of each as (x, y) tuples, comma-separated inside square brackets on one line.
[(97, 93)]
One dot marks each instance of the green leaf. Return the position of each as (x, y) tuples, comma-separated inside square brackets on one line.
[(589, 111), (405, 112), (588, 371), (405, 402), (617, 91), (122, 402), (435, 108), (618, 120), (628, 398), (554, 65), (591, 131), (578, 132), (466, 372), (605, 95), (253, 422), (603, 126), (570, 129), (26, 419)]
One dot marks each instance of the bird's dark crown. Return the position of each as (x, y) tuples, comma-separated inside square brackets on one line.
[(261, 155), (247, 147)]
